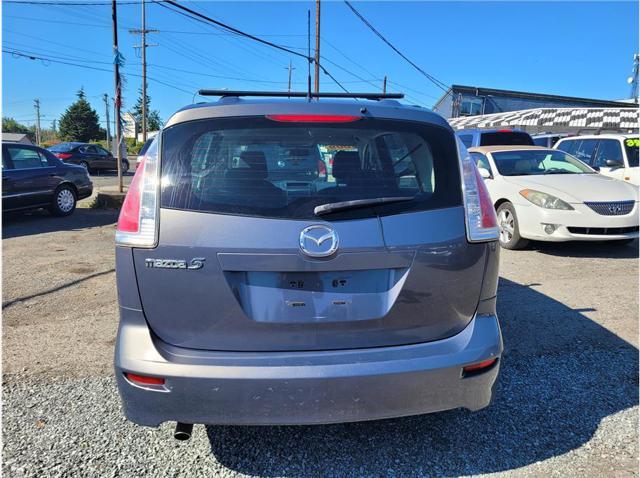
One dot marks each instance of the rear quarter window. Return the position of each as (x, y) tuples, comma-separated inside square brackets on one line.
[(258, 167)]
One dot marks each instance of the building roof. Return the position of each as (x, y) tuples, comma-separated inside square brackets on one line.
[(15, 137), (596, 118), (481, 91)]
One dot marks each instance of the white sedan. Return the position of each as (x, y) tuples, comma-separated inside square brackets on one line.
[(548, 195)]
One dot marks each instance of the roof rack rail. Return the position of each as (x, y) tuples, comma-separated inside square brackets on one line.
[(300, 94)]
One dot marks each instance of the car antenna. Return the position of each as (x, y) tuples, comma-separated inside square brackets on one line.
[(309, 55)]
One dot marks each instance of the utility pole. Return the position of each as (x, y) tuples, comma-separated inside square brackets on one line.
[(384, 85), (118, 98), (143, 46), (105, 97), (317, 82), (291, 68), (36, 104)]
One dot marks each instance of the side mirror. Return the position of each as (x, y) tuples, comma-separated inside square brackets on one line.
[(484, 173), (612, 163)]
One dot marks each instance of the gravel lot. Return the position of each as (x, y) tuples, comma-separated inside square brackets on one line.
[(567, 403)]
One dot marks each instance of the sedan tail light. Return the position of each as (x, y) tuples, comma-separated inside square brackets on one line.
[(63, 155), (481, 220), (137, 223)]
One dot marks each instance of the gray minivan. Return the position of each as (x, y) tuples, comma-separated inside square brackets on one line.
[(255, 287)]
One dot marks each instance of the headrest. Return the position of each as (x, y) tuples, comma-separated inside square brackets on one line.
[(257, 166), (346, 165)]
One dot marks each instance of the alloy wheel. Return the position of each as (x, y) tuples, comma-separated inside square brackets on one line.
[(506, 223), (65, 200)]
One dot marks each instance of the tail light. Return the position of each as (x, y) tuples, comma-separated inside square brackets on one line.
[(63, 155), (137, 224), (481, 220)]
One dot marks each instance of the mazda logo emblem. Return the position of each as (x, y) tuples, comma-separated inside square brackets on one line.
[(318, 241)]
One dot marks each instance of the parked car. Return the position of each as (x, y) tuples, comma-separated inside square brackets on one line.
[(490, 137), (92, 157), (143, 150), (33, 178), (547, 140), (614, 155), (251, 297), (548, 195)]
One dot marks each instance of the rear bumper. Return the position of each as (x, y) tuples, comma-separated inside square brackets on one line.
[(281, 388), (85, 191)]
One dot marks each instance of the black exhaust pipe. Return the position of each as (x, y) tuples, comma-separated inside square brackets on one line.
[(183, 431)]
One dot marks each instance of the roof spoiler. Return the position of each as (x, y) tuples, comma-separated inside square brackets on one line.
[(300, 94)]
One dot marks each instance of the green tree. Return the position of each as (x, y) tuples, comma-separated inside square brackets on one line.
[(9, 125), (80, 121), (154, 123)]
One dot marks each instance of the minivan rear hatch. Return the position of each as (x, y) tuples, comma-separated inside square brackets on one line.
[(252, 256)]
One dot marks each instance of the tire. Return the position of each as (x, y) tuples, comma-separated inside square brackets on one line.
[(124, 167), (509, 230), (85, 165), (64, 201)]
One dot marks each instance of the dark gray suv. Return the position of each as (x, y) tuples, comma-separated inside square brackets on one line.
[(305, 261)]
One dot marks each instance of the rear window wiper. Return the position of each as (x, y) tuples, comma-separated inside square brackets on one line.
[(344, 205)]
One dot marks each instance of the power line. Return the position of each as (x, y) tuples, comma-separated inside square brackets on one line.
[(37, 57), (208, 20), (223, 25), (431, 78), (30, 2)]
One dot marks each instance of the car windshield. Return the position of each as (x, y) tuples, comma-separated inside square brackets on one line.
[(532, 162), (260, 167), (632, 145), (62, 147)]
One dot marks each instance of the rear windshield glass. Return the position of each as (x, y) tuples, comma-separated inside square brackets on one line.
[(259, 167), (504, 138), (633, 148)]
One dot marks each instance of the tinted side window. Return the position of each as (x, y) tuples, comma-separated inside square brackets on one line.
[(467, 139), (608, 149), (568, 146), (26, 158), (541, 141), (585, 150)]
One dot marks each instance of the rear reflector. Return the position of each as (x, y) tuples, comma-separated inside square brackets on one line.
[(476, 367), (314, 118), (143, 379)]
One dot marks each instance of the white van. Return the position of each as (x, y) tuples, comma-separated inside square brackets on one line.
[(614, 155)]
